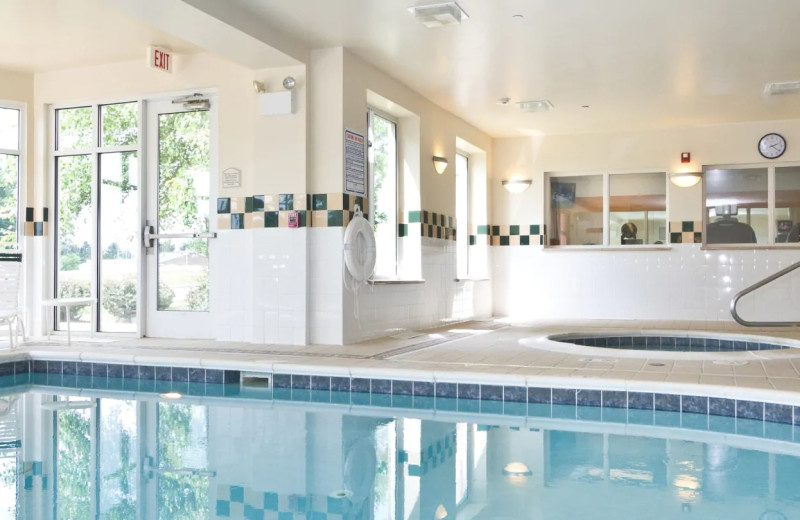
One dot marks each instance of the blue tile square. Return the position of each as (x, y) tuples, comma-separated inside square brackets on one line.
[(491, 393), (237, 494), (359, 385), (405, 388), (615, 399), (271, 501), (750, 410), (694, 404), (214, 376), (423, 389), (469, 391), (566, 396), (447, 390), (667, 402), (115, 371), (163, 373), (301, 382), (381, 386), (281, 380), (320, 383), (147, 372), (539, 395), (69, 368), (778, 413), (515, 394), (180, 374), (223, 508), (197, 375), (130, 372), (99, 370), (588, 397), (340, 384)]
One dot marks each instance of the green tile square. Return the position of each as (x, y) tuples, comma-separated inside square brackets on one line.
[(450, 222), (424, 217), (308, 201), (346, 202), (258, 203), (535, 229), (237, 220), (698, 238), (430, 231), (320, 201), (495, 231), (441, 220), (524, 240), (335, 218), (414, 216), (514, 230), (402, 230), (303, 218), (271, 219), (676, 238), (286, 202), (687, 225), (223, 205), (541, 240), (504, 240), (483, 229), (248, 204), (473, 240), (360, 203), (438, 232)]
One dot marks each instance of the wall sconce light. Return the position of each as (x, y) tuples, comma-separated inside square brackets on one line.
[(516, 185), (517, 469), (685, 179), (439, 164), (258, 86), (440, 513)]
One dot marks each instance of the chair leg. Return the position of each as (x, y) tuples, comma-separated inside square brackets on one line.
[(10, 335), (21, 324)]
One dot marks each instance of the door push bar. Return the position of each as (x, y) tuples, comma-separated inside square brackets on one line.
[(149, 236)]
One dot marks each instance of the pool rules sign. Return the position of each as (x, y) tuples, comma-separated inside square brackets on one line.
[(159, 58), (355, 163)]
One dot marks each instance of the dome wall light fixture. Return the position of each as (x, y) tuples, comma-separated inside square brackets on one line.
[(439, 164), (685, 179), (517, 469), (516, 185), (440, 513)]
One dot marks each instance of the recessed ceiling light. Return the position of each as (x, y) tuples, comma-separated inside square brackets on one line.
[(541, 105), (439, 14), (785, 87)]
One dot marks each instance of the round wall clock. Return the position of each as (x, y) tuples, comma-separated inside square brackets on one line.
[(772, 146)]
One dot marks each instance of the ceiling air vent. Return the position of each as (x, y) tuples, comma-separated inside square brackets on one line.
[(437, 15), (785, 87), (541, 105)]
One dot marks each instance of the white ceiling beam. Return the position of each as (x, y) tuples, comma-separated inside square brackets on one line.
[(220, 28)]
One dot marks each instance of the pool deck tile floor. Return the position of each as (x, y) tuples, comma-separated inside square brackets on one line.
[(488, 351)]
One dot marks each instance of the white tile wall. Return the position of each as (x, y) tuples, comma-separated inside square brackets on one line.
[(325, 263), (260, 285), (683, 283)]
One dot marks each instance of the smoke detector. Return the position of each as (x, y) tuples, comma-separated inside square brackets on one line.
[(785, 87), (438, 15), (541, 105)]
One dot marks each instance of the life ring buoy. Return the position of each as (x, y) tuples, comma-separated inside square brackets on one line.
[(359, 248)]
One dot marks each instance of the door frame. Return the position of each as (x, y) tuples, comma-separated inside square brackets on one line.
[(146, 180), (49, 263)]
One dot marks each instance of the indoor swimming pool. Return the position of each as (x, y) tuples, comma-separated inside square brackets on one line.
[(187, 445)]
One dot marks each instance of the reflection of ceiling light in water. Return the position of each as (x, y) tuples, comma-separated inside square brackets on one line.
[(171, 395), (441, 513), (517, 469)]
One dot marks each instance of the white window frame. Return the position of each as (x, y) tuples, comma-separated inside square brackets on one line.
[(21, 153), (771, 227), (606, 178), (462, 224), (94, 151), (371, 112)]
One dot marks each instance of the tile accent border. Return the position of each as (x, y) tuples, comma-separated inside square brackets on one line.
[(669, 343), (516, 235), (686, 232), (272, 211), (727, 415), (36, 222), (245, 502)]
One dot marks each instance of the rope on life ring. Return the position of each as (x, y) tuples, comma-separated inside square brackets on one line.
[(359, 248)]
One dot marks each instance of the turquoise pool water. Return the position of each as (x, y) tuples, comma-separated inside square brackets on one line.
[(80, 454)]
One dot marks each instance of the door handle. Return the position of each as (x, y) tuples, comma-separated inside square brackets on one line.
[(149, 236)]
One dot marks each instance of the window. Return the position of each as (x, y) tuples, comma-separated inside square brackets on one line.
[(97, 212), (608, 209), (382, 135), (10, 163), (741, 208), (462, 215)]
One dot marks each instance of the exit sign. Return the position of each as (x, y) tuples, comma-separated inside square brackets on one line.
[(159, 58)]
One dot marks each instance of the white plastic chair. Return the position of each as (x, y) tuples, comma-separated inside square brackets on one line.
[(10, 311)]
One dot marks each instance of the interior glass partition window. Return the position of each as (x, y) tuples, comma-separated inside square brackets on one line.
[(635, 205), (383, 191), (462, 215), (787, 204), (576, 210), (97, 211), (737, 206), (637, 209), (10, 153)]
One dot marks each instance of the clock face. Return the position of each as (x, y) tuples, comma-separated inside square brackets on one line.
[(772, 146)]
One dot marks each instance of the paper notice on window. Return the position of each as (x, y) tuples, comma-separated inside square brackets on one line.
[(355, 163)]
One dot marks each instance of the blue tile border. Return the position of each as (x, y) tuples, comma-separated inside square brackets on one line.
[(668, 343), (648, 408)]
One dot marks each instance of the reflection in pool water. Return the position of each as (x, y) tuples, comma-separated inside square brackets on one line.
[(71, 457)]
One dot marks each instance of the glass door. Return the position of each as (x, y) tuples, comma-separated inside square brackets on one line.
[(177, 230)]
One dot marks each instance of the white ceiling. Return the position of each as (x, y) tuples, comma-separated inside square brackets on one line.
[(636, 63), (42, 35)]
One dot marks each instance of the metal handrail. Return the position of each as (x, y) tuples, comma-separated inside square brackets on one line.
[(758, 285)]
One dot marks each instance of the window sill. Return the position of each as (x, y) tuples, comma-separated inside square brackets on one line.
[(665, 247), (395, 281), (749, 247)]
